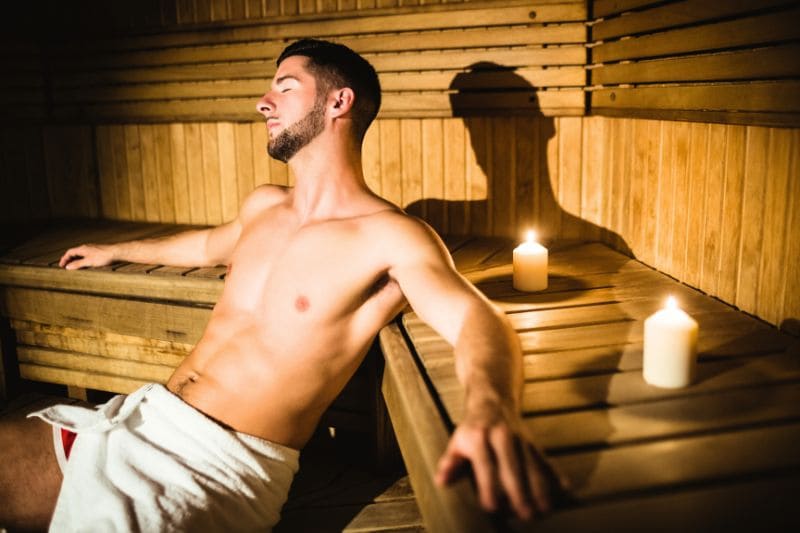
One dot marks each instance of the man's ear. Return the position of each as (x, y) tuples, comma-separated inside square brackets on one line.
[(342, 101)]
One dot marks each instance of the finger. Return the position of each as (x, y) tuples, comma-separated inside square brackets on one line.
[(540, 477), (67, 257), (449, 467), (485, 474), (511, 477), (79, 263)]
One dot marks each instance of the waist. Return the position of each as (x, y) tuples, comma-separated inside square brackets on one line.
[(248, 408)]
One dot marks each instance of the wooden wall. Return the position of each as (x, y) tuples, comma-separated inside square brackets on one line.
[(713, 205)]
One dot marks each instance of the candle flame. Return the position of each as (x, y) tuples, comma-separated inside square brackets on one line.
[(672, 303), (530, 236)]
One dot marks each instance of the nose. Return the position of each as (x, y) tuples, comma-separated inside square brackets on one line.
[(265, 105)]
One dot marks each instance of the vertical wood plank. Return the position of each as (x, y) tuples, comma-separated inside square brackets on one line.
[(771, 269), (502, 177), (306, 6), (666, 195), (186, 11), (411, 166), (150, 184), (245, 179), (229, 187), (652, 168), (391, 170), (16, 206), (477, 160), (569, 179), (327, 6), (432, 172), (715, 175), (194, 171), (371, 158), (455, 183), (549, 208), (680, 173), (105, 168), (165, 179), (180, 174), (732, 212), (254, 9), (592, 171), (790, 312), (272, 7), (752, 217), (121, 181), (695, 206), (133, 150), (526, 151), (202, 10), (258, 133), (237, 10), (37, 178), (211, 173), (637, 174)]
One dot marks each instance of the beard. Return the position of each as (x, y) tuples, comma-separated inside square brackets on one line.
[(293, 138)]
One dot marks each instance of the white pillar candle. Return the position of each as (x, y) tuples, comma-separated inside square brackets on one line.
[(670, 347), (530, 265)]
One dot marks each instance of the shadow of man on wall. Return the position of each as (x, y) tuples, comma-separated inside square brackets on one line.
[(509, 136)]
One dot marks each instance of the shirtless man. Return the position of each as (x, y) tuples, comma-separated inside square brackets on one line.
[(315, 271)]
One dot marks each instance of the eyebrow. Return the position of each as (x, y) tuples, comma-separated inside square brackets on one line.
[(280, 80)]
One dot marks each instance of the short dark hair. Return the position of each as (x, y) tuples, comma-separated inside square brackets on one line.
[(334, 65)]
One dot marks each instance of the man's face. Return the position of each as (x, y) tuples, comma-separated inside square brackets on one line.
[(294, 111)]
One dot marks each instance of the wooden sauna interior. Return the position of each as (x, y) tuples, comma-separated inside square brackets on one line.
[(665, 129), (678, 145)]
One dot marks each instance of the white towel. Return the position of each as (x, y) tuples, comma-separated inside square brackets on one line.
[(151, 462)]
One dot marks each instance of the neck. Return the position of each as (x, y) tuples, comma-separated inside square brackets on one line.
[(328, 177)]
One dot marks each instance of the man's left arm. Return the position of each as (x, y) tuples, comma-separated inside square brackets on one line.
[(491, 437)]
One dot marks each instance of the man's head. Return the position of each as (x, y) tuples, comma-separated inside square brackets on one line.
[(335, 66)]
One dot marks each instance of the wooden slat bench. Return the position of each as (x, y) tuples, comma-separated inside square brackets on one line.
[(118, 327), (720, 453)]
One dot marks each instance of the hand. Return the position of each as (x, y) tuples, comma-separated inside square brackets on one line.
[(505, 462), (86, 255)]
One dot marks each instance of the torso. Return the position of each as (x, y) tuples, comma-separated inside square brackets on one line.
[(300, 307)]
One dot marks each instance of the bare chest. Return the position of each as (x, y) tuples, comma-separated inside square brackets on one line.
[(317, 273)]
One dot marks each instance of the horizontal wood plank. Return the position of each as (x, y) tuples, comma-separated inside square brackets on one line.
[(680, 462), (677, 14), (454, 16), (758, 64), (735, 97), (125, 316), (674, 417), (750, 31), (396, 41), (84, 363), (120, 385)]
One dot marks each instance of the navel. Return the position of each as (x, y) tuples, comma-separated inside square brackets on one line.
[(302, 304)]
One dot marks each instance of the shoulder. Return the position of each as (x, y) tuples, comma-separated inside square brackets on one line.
[(262, 198), (403, 238)]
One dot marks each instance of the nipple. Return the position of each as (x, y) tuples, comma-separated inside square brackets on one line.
[(301, 304)]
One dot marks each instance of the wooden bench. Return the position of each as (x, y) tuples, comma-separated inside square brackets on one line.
[(118, 327), (720, 453)]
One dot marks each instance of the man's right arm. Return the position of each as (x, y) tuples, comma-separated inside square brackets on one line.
[(193, 248)]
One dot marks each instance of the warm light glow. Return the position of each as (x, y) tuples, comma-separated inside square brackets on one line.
[(530, 236), (672, 303)]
